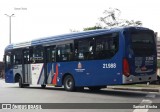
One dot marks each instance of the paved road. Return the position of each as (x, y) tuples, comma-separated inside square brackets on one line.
[(11, 93)]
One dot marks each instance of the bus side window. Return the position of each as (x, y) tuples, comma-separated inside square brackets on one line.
[(51, 54), (106, 46), (84, 49), (17, 57), (26, 56), (38, 52), (65, 52), (71, 53)]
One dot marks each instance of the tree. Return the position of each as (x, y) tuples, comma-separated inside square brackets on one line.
[(92, 28), (112, 19), (74, 30)]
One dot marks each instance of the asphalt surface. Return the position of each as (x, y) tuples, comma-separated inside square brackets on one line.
[(11, 93)]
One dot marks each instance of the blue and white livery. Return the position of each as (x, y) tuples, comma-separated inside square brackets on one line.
[(91, 59)]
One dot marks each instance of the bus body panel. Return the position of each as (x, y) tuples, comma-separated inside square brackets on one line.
[(37, 73), (94, 73), (9, 76), (143, 62), (50, 72)]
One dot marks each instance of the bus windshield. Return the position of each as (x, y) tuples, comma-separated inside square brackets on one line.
[(142, 43)]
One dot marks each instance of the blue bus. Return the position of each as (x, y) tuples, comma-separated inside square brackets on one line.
[(92, 59)]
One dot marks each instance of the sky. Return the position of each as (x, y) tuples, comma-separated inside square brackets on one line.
[(35, 19)]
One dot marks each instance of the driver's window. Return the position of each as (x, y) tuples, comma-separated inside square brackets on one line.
[(8, 61)]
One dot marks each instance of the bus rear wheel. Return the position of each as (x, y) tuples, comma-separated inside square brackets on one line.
[(69, 84)]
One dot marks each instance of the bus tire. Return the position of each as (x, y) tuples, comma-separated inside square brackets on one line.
[(21, 85), (27, 85), (79, 88), (69, 84), (43, 86), (94, 88)]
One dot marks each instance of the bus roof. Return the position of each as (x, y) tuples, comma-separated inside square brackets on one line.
[(65, 37)]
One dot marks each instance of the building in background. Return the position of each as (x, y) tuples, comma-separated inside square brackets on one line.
[(158, 49), (158, 45)]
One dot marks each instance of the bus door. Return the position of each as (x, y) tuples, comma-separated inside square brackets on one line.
[(26, 66), (9, 77), (50, 53)]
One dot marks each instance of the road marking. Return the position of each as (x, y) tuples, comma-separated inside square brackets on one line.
[(142, 103), (150, 95), (145, 101), (141, 110)]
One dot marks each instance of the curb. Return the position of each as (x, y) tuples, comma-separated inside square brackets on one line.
[(136, 89)]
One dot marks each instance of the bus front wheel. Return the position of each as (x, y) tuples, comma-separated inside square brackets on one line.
[(43, 86), (95, 88), (21, 85), (69, 84)]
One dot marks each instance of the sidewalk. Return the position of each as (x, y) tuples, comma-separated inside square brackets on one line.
[(137, 87)]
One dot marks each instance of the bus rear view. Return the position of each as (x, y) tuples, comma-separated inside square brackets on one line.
[(140, 61)]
